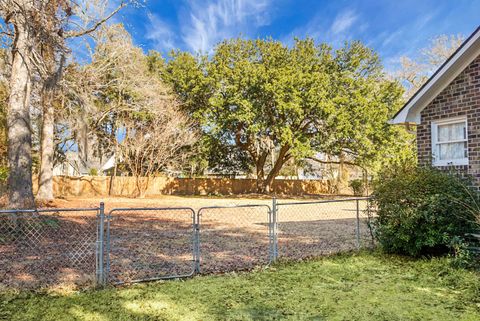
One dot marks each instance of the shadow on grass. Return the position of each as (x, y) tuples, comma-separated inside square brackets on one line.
[(362, 286), (138, 302)]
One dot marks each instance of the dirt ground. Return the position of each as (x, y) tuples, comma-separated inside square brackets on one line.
[(154, 237), (196, 202)]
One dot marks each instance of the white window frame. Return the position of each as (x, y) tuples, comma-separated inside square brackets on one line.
[(435, 143)]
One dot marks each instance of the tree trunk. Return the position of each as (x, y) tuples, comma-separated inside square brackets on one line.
[(113, 177), (365, 180), (276, 168), (20, 193), (138, 190), (47, 147), (45, 178), (82, 140), (114, 172), (260, 171), (342, 179), (142, 186)]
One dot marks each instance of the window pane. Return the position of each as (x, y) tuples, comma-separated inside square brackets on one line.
[(452, 151), (449, 132)]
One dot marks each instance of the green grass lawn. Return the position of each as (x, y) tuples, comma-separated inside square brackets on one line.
[(348, 287)]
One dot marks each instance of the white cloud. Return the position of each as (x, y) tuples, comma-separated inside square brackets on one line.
[(205, 23), (343, 21), (423, 20), (160, 34), (391, 37)]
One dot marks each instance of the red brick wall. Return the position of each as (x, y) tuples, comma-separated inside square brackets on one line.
[(460, 98)]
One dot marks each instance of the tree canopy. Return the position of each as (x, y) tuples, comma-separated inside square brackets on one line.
[(271, 103)]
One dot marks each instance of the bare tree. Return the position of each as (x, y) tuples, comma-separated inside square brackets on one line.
[(117, 101), (88, 17), (155, 144), (414, 72), (3, 113), (134, 101)]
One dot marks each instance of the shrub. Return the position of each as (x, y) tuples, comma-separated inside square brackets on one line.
[(358, 187), (422, 211), (3, 181), (3, 174)]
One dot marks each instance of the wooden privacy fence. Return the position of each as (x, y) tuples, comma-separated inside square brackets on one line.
[(125, 186)]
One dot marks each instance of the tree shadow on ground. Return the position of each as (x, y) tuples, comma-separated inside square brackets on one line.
[(140, 302), (46, 248), (56, 248), (304, 239)]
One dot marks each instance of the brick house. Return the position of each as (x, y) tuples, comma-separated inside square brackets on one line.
[(446, 111)]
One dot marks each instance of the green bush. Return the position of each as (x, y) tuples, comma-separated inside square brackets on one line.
[(3, 174), (358, 187), (422, 211), (3, 180)]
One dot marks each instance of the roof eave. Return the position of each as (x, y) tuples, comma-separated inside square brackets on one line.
[(406, 116), (410, 113)]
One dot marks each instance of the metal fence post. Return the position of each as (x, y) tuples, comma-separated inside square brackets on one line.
[(100, 250), (196, 224), (357, 230), (106, 248), (270, 235), (274, 229)]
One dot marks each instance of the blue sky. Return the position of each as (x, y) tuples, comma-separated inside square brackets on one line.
[(393, 28)]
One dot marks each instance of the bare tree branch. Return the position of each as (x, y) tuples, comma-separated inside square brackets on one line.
[(96, 25)]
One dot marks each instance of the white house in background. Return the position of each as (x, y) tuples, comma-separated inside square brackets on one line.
[(73, 165), (109, 164), (318, 170)]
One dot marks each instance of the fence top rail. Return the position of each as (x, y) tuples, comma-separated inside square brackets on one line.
[(326, 201), (46, 210), (234, 206), (124, 209)]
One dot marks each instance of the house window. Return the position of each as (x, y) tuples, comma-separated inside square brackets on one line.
[(449, 142)]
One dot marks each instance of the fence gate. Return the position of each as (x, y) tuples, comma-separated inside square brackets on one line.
[(145, 244), (234, 238)]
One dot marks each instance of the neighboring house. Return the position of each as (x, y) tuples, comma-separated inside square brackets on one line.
[(328, 168), (70, 166), (73, 165), (446, 111)]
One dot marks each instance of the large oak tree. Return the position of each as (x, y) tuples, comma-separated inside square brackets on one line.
[(274, 103)]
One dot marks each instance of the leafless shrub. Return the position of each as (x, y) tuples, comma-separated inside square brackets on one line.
[(160, 141)]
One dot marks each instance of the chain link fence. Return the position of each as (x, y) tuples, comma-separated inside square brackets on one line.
[(82, 247), (309, 229), (40, 248), (234, 238), (145, 244)]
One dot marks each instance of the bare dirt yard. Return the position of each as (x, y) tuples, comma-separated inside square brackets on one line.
[(155, 237), (196, 202)]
